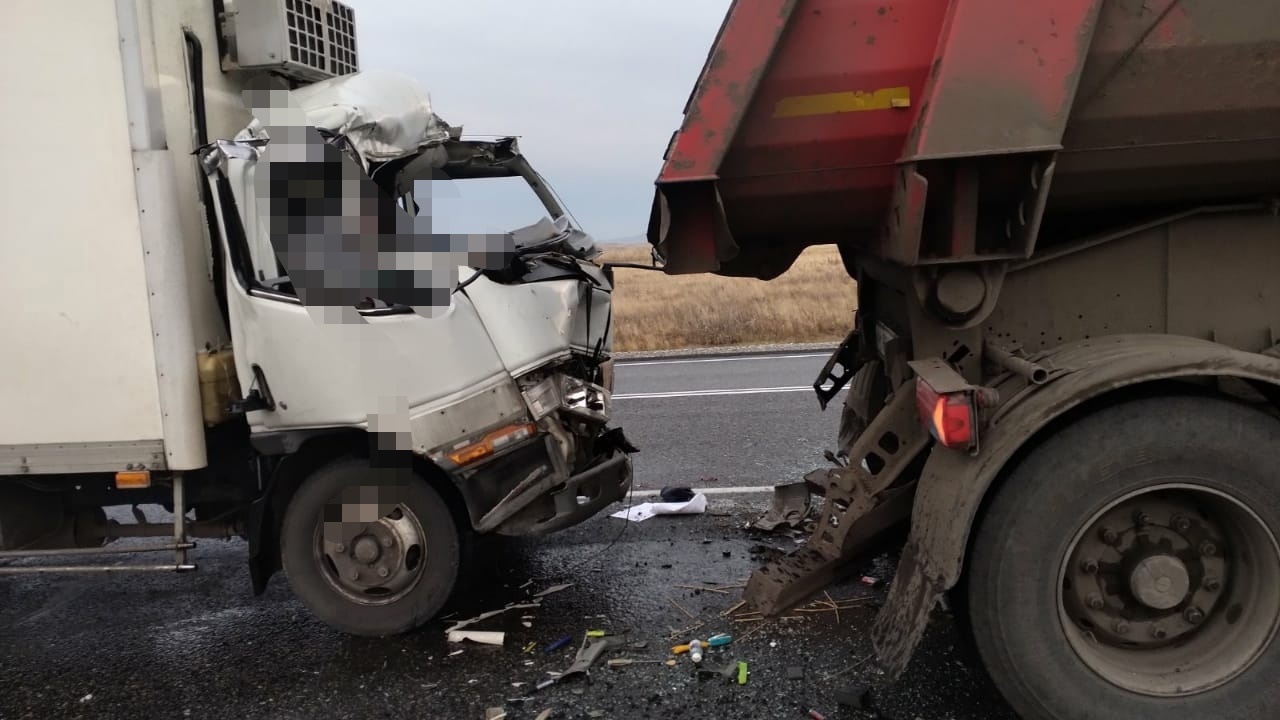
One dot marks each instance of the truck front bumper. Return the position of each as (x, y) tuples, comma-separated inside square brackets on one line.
[(585, 494), (526, 495)]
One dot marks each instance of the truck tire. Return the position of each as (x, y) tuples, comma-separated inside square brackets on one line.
[(1128, 567), (368, 553)]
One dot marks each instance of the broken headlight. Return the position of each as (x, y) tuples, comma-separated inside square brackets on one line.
[(543, 398), (584, 399)]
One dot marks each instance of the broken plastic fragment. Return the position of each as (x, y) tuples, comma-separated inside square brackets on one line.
[(492, 613), (558, 644), (484, 637), (553, 589)]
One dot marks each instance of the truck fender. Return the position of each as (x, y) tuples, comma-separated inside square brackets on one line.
[(953, 484)]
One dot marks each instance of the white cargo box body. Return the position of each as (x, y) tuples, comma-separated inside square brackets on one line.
[(105, 296)]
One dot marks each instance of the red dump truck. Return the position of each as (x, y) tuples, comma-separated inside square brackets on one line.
[(1062, 218)]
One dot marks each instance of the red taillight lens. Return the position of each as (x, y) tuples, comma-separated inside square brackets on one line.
[(949, 417)]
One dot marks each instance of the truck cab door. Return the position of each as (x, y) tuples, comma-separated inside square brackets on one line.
[(324, 367)]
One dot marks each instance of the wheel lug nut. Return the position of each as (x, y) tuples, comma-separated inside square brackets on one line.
[(383, 572), (1121, 627), (1212, 585), (386, 542), (1181, 524), (1089, 566), (1141, 519), (1109, 536), (1208, 549), (1159, 633), (341, 548), (1193, 615), (1095, 601)]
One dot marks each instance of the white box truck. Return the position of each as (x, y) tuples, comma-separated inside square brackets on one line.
[(156, 351)]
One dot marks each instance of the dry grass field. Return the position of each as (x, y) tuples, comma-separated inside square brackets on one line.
[(812, 302)]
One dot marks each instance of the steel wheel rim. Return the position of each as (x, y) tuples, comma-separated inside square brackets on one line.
[(370, 561), (1209, 637)]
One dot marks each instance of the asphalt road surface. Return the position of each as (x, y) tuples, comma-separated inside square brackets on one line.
[(200, 645), (724, 421)]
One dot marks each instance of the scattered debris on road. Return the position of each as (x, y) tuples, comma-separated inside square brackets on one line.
[(484, 637), (623, 662), (790, 507), (552, 590), (854, 696), (558, 644), (493, 613)]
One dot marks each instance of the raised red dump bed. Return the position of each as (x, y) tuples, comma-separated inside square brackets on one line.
[(940, 131)]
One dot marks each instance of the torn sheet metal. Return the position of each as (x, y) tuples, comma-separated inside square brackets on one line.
[(790, 507), (492, 613), (383, 115)]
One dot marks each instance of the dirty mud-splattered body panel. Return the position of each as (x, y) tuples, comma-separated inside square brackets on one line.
[(1008, 183), (804, 130)]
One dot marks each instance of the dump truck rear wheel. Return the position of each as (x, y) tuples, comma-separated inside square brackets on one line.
[(1129, 567), (370, 552)]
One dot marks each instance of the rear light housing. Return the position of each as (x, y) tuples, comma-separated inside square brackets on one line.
[(951, 417)]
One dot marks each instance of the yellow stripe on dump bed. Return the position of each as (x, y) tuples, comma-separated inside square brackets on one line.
[(842, 102)]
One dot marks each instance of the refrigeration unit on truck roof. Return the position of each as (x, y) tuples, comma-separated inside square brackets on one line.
[(307, 40)]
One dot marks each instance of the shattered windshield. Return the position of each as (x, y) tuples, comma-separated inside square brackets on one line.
[(488, 205)]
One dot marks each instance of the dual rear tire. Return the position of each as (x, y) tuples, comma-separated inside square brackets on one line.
[(1128, 567)]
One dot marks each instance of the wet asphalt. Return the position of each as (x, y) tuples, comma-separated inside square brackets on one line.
[(201, 645)]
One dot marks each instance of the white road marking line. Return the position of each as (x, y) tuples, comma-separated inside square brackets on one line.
[(637, 363), (707, 393), (739, 490)]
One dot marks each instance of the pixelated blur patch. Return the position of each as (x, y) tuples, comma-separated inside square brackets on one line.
[(341, 237), (354, 508)]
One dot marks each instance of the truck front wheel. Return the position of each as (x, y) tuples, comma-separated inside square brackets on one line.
[(1129, 567), (368, 551)]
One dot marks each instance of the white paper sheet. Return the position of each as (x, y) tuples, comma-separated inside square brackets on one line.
[(639, 513)]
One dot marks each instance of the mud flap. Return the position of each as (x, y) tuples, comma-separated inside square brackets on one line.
[(904, 618), (945, 501)]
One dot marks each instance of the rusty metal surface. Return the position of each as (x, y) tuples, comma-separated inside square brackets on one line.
[(953, 484), (1178, 104), (1211, 275), (1003, 78), (727, 82), (1180, 100), (860, 503), (819, 134)]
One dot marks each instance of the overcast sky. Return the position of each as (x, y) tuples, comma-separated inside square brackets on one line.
[(594, 89)]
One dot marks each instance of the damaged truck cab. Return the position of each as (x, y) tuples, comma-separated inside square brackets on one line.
[(356, 447), (1065, 372)]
